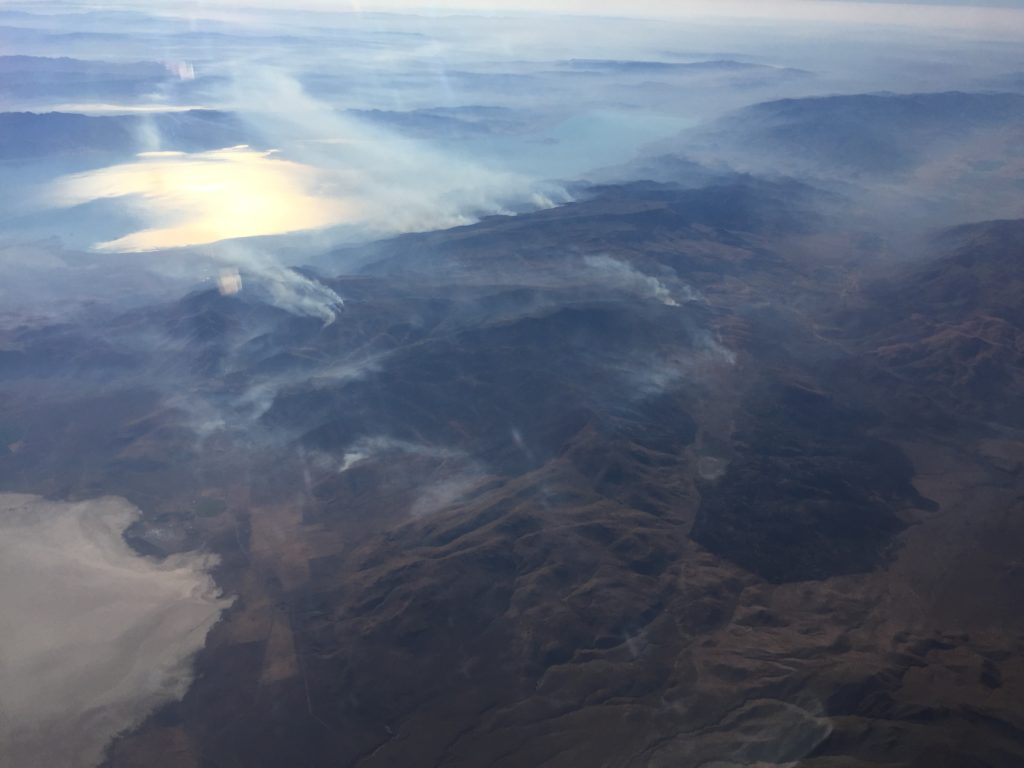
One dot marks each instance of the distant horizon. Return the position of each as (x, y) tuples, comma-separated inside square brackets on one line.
[(998, 18), (756, 8)]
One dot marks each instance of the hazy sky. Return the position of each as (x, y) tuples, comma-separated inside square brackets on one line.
[(1000, 17), (667, 7), (812, 8), (839, 9)]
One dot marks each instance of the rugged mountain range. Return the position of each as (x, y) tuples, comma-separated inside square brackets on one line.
[(653, 478), (25, 135), (871, 135)]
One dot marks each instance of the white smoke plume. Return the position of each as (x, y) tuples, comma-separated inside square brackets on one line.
[(625, 277)]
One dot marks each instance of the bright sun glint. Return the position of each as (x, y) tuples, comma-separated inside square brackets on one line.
[(194, 199)]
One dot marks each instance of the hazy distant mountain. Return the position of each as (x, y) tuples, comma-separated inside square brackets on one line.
[(28, 135), (35, 79), (72, 72), (450, 122), (877, 134), (678, 67)]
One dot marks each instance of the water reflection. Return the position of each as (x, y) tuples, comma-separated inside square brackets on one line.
[(199, 198)]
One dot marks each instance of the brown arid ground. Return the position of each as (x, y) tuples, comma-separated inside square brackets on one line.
[(548, 521)]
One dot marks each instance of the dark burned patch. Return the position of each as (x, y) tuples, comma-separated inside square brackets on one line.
[(162, 536), (661, 423), (810, 494)]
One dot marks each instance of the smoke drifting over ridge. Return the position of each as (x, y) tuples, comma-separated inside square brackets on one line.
[(345, 172), (415, 123), (491, 389), (337, 174), (620, 274)]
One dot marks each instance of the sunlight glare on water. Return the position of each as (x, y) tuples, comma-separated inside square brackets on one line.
[(204, 197)]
